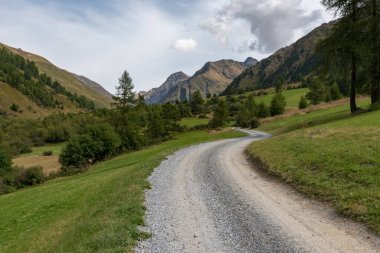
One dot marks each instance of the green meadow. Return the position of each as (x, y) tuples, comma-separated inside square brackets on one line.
[(330, 155), (96, 211)]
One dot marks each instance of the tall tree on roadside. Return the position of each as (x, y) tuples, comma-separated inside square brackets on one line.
[(125, 97), (374, 36), (347, 38)]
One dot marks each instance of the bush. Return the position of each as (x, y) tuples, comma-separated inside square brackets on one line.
[(303, 103), (99, 143), (263, 110), (29, 176), (5, 162), (14, 107), (47, 153), (277, 105)]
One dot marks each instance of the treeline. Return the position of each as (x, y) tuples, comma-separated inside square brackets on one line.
[(242, 109), (351, 54), (24, 75)]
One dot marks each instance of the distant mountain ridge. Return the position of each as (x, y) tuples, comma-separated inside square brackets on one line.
[(212, 78), (157, 95), (288, 63)]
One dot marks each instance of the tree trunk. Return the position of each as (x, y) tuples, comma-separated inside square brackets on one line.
[(375, 64), (353, 106), (354, 66)]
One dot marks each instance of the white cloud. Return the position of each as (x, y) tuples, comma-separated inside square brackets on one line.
[(185, 45), (272, 24)]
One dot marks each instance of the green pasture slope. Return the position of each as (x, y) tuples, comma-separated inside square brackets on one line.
[(96, 211), (292, 97), (330, 155)]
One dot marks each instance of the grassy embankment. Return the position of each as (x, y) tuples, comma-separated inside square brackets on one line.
[(330, 155), (96, 211)]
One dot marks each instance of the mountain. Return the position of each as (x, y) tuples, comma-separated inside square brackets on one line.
[(39, 88), (157, 95), (93, 85), (212, 78), (288, 63), (249, 62)]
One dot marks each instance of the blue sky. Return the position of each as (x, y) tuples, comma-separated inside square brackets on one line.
[(153, 38)]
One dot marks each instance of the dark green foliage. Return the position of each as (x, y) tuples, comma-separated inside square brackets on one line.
[(125, 97), (5, 162), (156, 127), (318, 91), (28, 177), (263, 110), (184, 109), (303, 103), (171, 112), (248, 114), (24, 76), (47, 153), (277, 105), (335, 92), (220, 115), (14, 107), (98, 143), (196, 103)]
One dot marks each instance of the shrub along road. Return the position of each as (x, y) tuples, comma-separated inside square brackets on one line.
[(207, 198)]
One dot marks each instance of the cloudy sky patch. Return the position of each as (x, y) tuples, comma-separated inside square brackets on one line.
[(152, 38)]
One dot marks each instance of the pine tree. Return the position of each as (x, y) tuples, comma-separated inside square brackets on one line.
[(263, 110), (125, 97), (303, 103), (196, 103), (347, 37), (220, 114), (277, 105)]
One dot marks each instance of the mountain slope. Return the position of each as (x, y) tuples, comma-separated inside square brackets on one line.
[(93, 85), (68, 80), (156, 95), (289, 63)]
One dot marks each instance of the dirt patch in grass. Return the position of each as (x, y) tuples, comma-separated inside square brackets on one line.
[(49, 164)]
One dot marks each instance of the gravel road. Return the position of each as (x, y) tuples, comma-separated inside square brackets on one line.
[(209, 198)]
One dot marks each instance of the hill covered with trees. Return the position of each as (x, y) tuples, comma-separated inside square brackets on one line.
[(28, 90)]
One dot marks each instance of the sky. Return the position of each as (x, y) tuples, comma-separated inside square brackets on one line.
[(152, 39)]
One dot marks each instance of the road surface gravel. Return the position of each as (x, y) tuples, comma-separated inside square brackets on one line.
[(210, 198)]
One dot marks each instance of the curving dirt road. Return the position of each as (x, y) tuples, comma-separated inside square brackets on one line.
[(208, 198)]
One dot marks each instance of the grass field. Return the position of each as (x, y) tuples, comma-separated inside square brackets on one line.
[(97, 211), (191, 122), (330, 155), (292, 97), (56, 149)]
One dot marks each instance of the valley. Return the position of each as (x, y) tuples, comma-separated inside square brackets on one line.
[(231, 126)]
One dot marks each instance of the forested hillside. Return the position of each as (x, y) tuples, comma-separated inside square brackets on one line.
[(35, 89)]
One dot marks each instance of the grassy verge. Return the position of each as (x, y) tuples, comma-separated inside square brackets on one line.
[(329, 155), (97, 211), (192, 122)]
